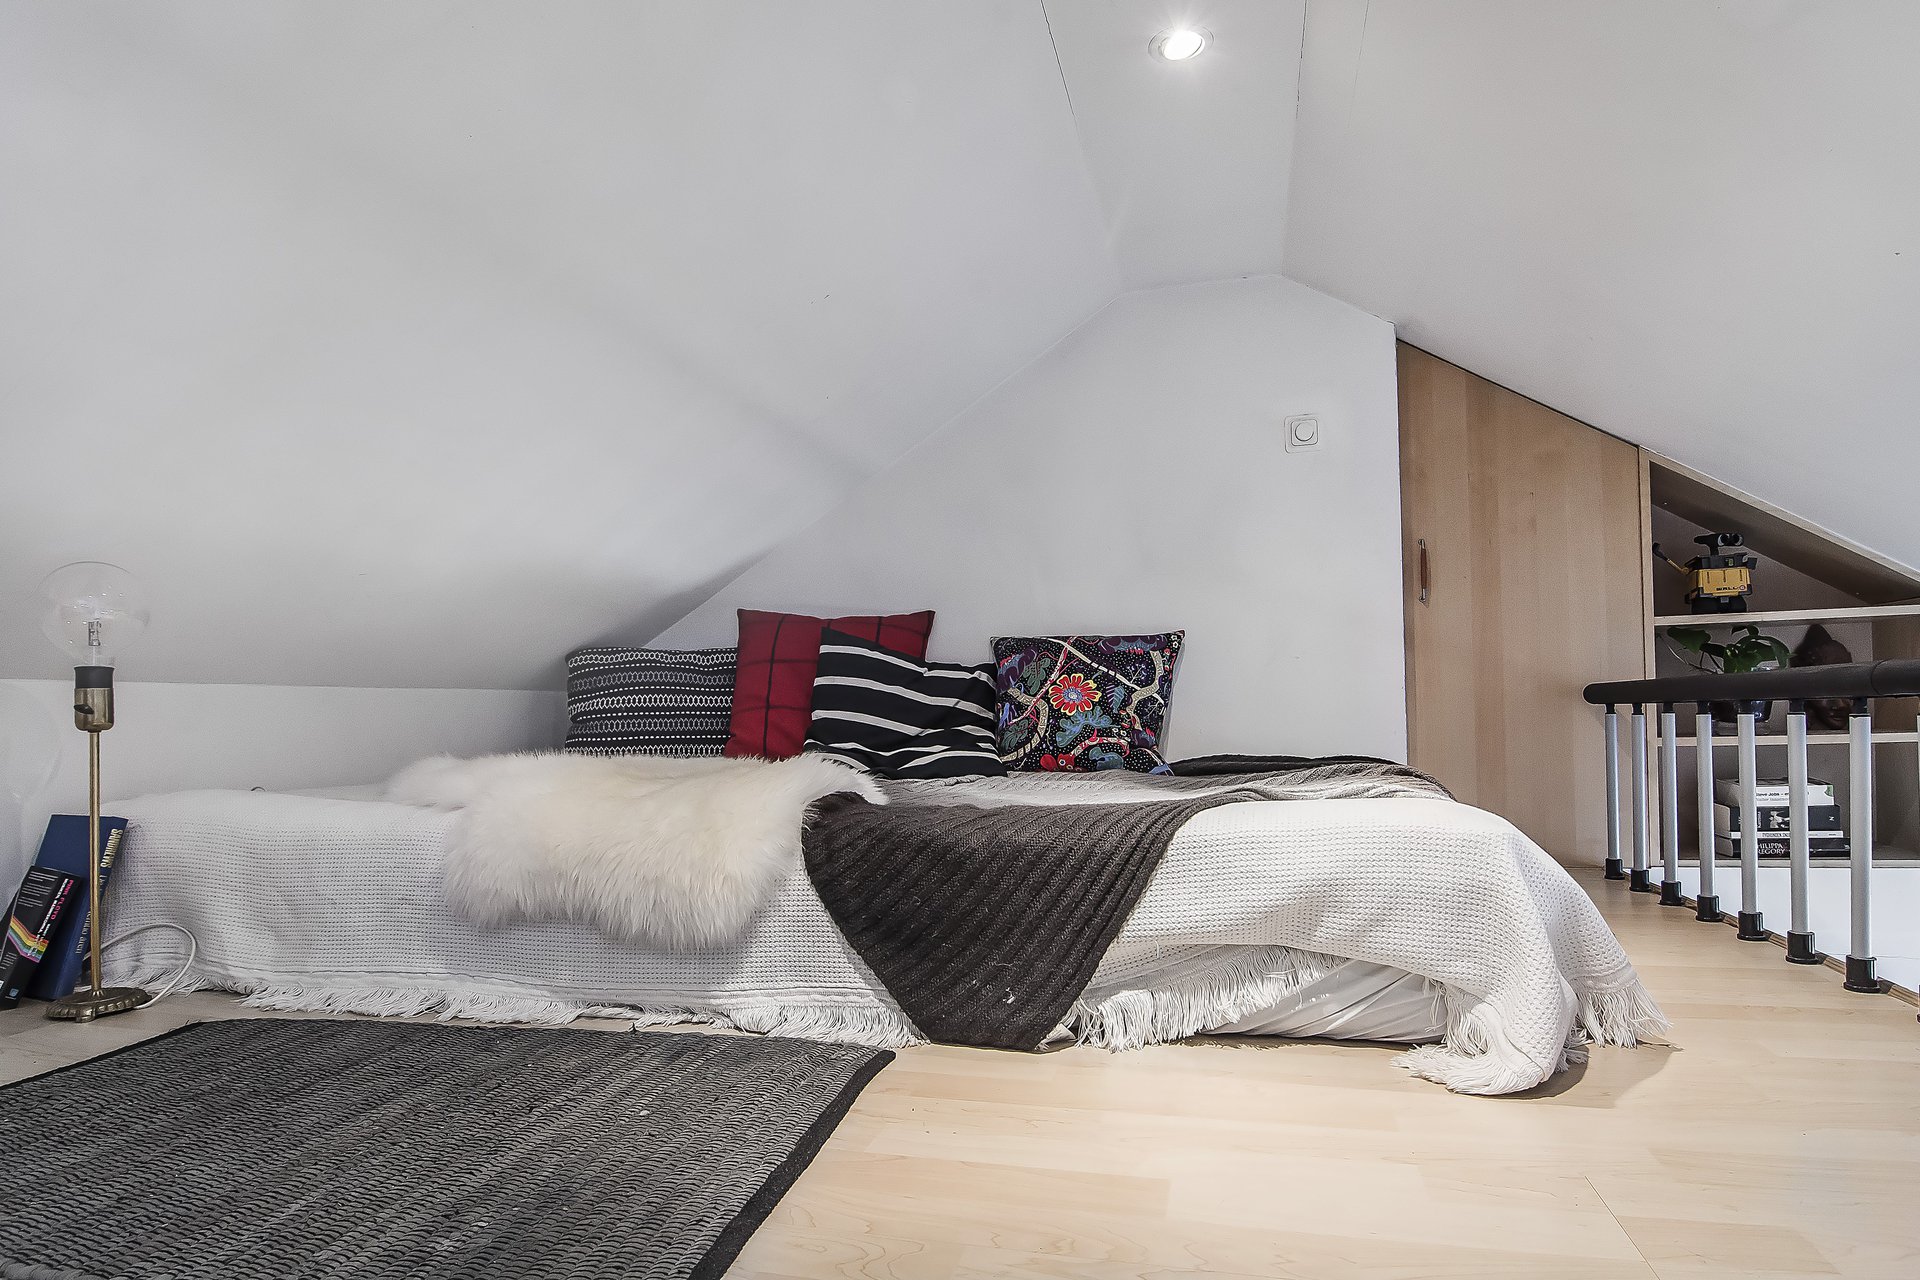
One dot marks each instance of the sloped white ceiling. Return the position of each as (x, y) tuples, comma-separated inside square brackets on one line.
[(415, 344), (1694, 225), (1191, 158)]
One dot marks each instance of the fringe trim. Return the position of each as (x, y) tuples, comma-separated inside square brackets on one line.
[(874, 1026), (388, 1002), (1621, 1014), (1246, 983), (1476, 1055)]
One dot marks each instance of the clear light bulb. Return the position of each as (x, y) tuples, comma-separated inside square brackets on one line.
[(1179, 44), (93, 611)]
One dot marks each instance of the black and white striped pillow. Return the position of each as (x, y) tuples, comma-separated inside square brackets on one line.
[(649, 702), (901, 717)]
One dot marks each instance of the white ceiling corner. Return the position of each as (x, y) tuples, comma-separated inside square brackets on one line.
[(1191, 159)]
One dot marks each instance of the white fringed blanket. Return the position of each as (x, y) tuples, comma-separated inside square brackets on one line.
[(308, 903)]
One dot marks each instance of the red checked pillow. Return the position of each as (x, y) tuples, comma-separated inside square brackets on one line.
[(779, 656)]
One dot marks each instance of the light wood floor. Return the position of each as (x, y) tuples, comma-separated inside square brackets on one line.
[(1778, 1136)]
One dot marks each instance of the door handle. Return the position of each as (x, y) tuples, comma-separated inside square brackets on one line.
[(1426, 573)]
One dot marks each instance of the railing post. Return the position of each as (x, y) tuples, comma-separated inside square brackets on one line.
[(1638, 879), (1753, 927), (1706, 901), (1800, 943), (1615, 871), (1860, 832), (1670, 895)]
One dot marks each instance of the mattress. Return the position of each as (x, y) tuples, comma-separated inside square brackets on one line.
[(330, 899)]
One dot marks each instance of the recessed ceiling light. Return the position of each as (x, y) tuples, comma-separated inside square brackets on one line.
[(1179, 44)]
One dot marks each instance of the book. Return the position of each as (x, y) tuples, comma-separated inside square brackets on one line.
[(37, 909), (1774, 846), (64, 848), (1824, 822), (1772, 792)]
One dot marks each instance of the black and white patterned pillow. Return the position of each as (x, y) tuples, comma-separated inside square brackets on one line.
[(649, 702), (901, 717)]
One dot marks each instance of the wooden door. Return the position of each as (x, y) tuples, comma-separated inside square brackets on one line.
[(1533, 527)]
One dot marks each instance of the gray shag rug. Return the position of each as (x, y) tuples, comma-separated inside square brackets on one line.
[(266, 1148)]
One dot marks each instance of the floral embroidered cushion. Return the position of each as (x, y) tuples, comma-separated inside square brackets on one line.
[(1082, 703)]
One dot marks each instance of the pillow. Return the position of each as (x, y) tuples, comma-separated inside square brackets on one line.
[(648, 702), (899, 717), (1081, 703), (773, 691)]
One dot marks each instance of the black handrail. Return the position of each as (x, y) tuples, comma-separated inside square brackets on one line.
[(1892, 678)]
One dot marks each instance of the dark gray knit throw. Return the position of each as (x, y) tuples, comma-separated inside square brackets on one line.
[(270, 1149), (985, 924), (986, 921)]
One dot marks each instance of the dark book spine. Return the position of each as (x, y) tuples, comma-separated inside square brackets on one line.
[(83, 938), (44, 894)]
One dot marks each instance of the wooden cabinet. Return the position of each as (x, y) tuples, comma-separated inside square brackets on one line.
[(1532, 530)]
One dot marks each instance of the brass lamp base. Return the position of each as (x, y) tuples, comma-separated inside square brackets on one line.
[(85, 1006)]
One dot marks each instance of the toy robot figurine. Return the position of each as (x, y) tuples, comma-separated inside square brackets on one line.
[(1721, 579)]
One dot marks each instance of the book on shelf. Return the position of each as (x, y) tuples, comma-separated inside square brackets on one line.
[(1772, 792), (1727, 848), (64, 848), (1824, 822), (44, 898)]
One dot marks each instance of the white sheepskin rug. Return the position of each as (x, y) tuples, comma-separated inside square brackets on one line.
[(670, 854)]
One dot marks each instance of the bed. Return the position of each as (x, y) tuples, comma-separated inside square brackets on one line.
[(1416, 920)]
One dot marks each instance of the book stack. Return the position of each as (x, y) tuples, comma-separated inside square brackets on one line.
[(46, 954), (1826, 830)]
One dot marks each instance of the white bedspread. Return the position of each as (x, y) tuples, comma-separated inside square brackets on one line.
[(317, 903)]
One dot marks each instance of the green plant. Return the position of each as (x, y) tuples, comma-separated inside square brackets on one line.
[(1748, 653)]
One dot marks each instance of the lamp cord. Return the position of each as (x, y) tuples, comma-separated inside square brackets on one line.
[(193, 951)]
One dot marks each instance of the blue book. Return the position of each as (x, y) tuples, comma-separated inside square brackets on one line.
[(64, 848)]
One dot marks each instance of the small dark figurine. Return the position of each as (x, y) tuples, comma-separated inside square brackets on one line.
[(1818, 648)]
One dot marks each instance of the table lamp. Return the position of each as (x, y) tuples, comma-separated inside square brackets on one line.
[(93, 612)]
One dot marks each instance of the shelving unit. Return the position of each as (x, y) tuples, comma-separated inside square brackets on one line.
[(1807, 575)]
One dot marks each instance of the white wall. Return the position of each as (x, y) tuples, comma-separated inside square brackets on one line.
[(172, 737), (1133, 479)]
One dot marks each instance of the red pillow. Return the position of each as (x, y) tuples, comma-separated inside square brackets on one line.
[(779, 656)]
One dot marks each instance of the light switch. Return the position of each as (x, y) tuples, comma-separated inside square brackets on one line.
[(1303, 432)]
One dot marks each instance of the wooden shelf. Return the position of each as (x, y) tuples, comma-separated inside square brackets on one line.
[(1732, 739), (1775, 534), (1864, 613)]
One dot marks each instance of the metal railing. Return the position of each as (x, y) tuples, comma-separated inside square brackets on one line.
[(1859, 683)]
